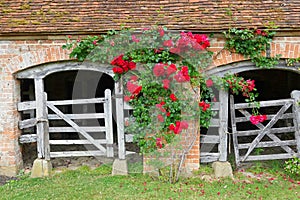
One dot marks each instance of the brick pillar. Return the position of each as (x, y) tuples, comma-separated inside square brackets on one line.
[(189, 139), (10, 154)]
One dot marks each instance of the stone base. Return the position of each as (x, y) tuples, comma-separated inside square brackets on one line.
[(9, 171), (41, 168), (120, 167), (222, 169)]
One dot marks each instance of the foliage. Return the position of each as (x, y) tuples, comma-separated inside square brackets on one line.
[(292, 166), (251, 43), (98, 184), (157, 68), (291, 62)]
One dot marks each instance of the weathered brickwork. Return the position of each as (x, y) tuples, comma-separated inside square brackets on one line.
[(16, 55)]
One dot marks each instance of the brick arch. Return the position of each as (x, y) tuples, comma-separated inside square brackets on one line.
[(242, 66), (287, 47), (39, 56)]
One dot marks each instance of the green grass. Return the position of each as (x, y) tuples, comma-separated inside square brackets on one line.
[(99, 184)]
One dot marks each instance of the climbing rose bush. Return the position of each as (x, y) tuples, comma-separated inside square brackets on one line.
[(162, 73)]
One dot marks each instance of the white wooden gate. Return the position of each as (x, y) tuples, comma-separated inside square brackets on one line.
[(104, 146), (217, 132), (280, 131)]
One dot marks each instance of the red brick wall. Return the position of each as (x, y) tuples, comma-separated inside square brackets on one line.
[(16, 55)]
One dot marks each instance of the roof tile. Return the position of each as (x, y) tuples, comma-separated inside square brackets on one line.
[(63, 16)]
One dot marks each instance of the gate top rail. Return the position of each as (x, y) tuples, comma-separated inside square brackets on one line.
[(272, 103), (31, 105)]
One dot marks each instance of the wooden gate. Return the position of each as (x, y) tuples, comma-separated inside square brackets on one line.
[(276, 138), (104, 145), (214, 143)]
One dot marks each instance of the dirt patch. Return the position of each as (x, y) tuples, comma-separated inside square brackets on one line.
[(5, 179)]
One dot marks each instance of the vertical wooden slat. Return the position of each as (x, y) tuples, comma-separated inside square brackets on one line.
[(42, 126), (223, 115), (234, 131), (296, 109), (120, 118), (108, 123)]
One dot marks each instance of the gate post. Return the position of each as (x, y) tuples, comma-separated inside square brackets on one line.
[(42, 165), (296, 108)]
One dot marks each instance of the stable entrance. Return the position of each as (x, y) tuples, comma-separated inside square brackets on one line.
[(78, 117), (231, 131)]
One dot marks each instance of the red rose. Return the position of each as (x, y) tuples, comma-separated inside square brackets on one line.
[(159, 143), (134, 38), (204, 105), (173, 97), (168, 43), (166, 83), (134, 78), (209, 83), (131, 65), (161, 32), (117, 70), (127, 98), (133, 88), (182, 75), (159, 69), (171, 69), (160, 118)]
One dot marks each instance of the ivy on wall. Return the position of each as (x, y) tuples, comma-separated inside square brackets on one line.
[(253, 44)]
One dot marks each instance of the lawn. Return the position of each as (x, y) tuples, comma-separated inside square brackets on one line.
[(256, 182)]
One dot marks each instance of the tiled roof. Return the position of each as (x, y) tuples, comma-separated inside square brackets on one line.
[(84, 16)]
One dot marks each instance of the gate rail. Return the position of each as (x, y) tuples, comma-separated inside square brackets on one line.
[(73, 127), (246, 151)]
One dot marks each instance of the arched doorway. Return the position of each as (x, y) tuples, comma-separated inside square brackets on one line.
[(66, 83), (272, 84)]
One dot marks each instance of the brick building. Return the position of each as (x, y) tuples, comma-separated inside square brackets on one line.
[(33, 32)]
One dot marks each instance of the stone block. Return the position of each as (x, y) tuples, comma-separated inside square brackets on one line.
[(222, 169), (41, 168), (119, 167)]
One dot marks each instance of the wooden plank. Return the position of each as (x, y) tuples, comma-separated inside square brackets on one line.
[(43, 147), (223, 128), (120, 118), (28, 105), (72, 142), (27, 123), (108, 123), (214, 122), (76, 127), (269, 133), (129, 137), (78, 116), (130, 152), (296, 109), (234, 131), (215, 106), (266, 129), (77, 101), (28, 138), (75, 154), (269, 157), (127, 106), (272, 131), (42, 71), (284, 116), (268, 144), (209, 157), (73, 129), (272, 103), (210, 139)]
